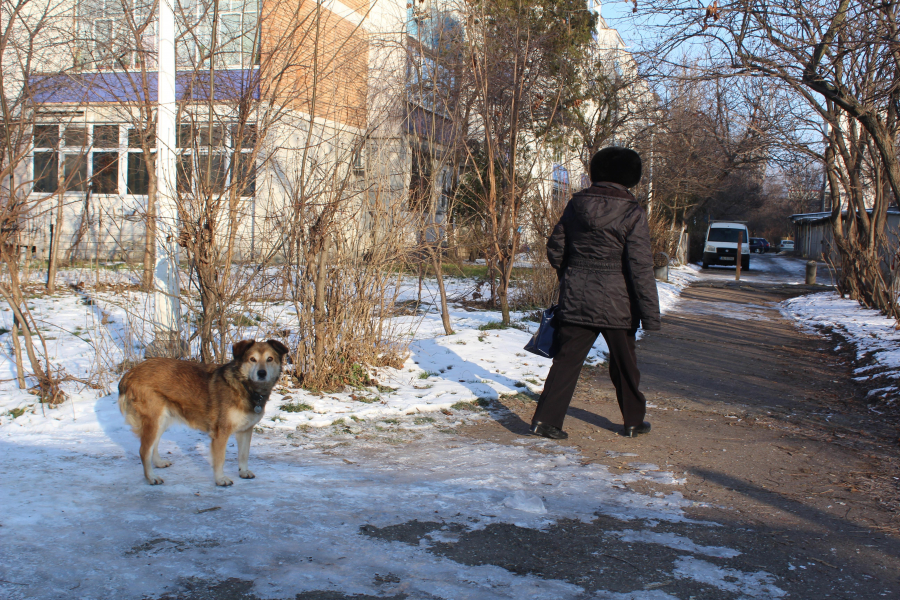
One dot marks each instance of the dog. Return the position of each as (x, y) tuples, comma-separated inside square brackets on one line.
[(217, 399)]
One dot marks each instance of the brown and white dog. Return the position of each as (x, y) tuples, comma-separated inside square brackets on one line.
[(217, 399)]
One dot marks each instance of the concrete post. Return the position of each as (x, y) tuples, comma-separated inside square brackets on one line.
[(661, 273), (167, 305), (811, 272)]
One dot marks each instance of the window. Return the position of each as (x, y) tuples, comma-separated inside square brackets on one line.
[(46, 172), (237, 45), (75, 172), (725, 234), (76, 137), (429, 84), (245, 174), (106, 136), (207, 165), (46, 136), (432, 25), (446, 190), (136, 170), (185, 173), (243, 137), (211, 171), (138, 175), (74, 161), (419, 178), (211, 136), (185, 136), (106, 172), (86, 158), (134, 138), (105, 40), (559, 185)]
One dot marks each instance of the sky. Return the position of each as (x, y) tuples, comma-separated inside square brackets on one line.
[(619, 15)]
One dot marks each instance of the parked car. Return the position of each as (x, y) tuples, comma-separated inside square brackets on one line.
[(722, 242), (759, 245), (786, 246)]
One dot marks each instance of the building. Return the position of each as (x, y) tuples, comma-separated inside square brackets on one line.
[(813, 236), (280, 104)]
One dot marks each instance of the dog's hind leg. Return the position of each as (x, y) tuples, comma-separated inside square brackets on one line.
[(243, 442), (217, 450), (150, 433), (158, 461)]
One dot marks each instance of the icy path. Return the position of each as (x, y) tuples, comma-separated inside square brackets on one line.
[(81, 522)]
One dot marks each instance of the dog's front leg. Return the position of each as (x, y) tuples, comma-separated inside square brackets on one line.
[(243, 441), (217, 449)]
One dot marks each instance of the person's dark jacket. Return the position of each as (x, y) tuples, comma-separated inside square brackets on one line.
[(601, 251)]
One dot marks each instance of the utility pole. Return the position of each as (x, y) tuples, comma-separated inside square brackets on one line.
[(167, 305)]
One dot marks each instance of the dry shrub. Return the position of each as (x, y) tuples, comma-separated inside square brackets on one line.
[(662, 238), (540, 286), (356, 331)]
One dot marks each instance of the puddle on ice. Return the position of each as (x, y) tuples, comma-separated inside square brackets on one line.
[(525, 502)]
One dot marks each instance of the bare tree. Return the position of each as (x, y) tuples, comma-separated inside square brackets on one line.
[(28, 35), (520, 59), (841, 59)]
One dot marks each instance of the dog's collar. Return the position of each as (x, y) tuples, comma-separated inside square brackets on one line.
[(258, 401)]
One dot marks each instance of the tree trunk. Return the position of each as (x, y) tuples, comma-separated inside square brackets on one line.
[(54, 247), (150, 230), (437, 261), (17, 350), (503, 289), (49, 388), (207, 316), (319, 313)]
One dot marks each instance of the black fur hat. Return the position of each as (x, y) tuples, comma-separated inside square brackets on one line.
[(618, 165)]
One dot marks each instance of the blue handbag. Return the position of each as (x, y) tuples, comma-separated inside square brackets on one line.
[(543, 341)]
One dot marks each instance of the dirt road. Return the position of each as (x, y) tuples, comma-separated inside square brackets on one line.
[(771, 433)]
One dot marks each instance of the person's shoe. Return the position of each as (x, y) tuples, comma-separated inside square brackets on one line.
[(635, 430), (548, 431)]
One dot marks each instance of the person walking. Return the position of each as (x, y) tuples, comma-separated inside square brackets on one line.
[(601, 252)]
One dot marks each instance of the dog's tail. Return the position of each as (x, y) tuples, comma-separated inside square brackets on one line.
[(126, 406)]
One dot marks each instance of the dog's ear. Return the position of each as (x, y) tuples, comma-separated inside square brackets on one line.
[(278, 347), (241, 347)]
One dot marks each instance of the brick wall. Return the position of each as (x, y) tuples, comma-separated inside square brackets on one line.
[(341, 56)]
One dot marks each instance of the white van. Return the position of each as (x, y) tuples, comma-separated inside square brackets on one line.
[(722, 242)]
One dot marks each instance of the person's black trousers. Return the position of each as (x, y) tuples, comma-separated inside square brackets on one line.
[(575, 343)]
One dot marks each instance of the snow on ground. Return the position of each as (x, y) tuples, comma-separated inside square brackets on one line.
[(81, 522), (873, 337), (679, 278), (90, 333)]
